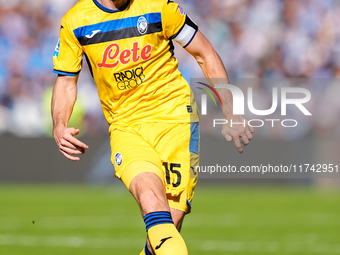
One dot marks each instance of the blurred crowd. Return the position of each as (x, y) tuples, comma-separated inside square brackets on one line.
[(273, 38), (255, 39)]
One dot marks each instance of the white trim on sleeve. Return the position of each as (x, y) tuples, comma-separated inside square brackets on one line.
[(185, 35)]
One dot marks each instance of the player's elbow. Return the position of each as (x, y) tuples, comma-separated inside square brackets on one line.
[(200, 59), (208, 55), (207, 58)]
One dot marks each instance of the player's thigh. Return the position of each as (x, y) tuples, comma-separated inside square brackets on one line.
[(139, 167), (132, 155), (170, 151)]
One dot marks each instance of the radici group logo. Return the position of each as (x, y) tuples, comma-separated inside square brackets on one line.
[(283, 100)]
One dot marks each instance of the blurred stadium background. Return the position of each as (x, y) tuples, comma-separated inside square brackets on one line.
[(49, 205)]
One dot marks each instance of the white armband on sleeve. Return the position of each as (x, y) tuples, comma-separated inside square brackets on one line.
[(185, 35)]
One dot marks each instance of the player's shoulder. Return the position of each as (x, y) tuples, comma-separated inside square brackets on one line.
[(153, 5), (79, 10)]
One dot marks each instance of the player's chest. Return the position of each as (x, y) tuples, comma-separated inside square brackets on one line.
[(122, 42)]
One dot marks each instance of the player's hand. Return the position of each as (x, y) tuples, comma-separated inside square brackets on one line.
[(238, 132), (68, 144)]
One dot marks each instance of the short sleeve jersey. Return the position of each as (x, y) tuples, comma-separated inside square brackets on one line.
[(131, 57)]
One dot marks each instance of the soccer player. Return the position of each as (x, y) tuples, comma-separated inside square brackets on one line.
[(151, 112)]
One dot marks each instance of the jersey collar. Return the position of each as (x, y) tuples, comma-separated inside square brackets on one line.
[(105, 9)]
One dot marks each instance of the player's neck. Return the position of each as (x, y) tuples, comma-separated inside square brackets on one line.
[(112, 4)]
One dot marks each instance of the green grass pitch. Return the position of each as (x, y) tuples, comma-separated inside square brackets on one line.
[(84, 220)]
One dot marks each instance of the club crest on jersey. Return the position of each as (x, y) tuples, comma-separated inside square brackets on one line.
[(118, 159), (142, 25)]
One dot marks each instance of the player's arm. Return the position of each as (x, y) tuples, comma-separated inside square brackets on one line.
[(63, 100), (212, 67)]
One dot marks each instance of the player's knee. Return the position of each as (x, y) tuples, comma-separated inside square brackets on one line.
[(152, 201), (148, 190)]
